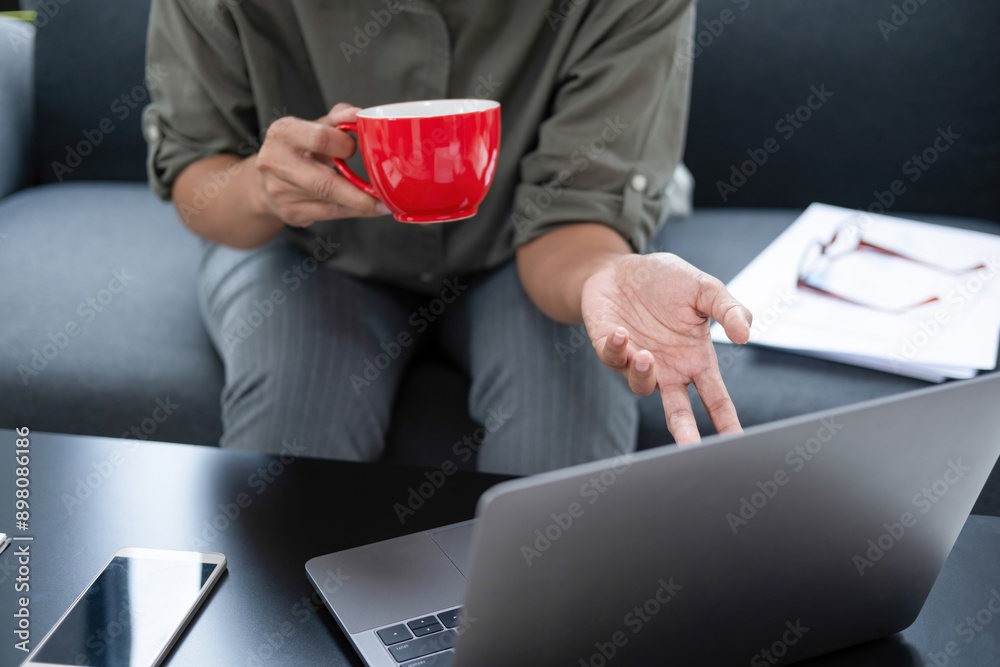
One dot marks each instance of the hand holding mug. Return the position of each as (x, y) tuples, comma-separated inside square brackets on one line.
[(297, 184)]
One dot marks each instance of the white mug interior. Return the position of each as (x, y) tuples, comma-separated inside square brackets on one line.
[(428, 108)]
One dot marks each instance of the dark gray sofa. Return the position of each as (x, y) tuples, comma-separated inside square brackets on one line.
[(84, 351)]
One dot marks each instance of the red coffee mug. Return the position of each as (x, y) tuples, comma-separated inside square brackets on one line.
[(429, 161)]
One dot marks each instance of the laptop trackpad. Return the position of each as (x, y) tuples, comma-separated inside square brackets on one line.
[(456, 543), (385, 582)]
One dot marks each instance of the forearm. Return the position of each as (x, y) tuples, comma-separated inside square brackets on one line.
[(554, 267), (217, 198)]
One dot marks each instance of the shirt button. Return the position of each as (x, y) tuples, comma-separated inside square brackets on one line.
[(639, 183), (426, 277)]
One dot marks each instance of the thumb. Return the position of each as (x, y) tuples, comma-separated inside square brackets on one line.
[(715, 301), (736, 322), (340, 113)]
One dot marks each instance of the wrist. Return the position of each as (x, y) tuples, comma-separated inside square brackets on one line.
[(555, 267), (261, 213), (253, 187), (597, 265)]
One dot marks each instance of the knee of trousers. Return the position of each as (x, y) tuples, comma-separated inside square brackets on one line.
[(531, 429), (276, 410)]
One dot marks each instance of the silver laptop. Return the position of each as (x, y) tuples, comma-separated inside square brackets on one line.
[(791, 540)]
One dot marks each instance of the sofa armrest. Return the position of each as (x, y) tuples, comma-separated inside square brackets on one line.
[(16, 102)]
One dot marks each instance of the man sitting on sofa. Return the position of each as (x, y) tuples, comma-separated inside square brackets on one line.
[(337, 294)]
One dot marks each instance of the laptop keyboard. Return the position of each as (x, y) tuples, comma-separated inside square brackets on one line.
[(422, 642)]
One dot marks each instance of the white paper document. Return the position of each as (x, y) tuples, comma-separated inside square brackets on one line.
[(900, 296)]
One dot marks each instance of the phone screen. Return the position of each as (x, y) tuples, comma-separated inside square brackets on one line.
[(130, 612)]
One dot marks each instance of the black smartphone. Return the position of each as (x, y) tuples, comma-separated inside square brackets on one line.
[(133, 611)]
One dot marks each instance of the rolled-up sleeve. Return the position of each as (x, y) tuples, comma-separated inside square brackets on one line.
[(202, 103), (610, 145)]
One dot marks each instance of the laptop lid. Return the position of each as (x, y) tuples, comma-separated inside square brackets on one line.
[(794, 539)]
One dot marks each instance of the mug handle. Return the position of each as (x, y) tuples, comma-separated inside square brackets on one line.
[(347, 172)]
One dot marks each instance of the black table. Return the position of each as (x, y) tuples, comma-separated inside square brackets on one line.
[(91, 496)]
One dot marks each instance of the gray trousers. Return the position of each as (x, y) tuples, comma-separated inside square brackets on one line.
[(314, 356)]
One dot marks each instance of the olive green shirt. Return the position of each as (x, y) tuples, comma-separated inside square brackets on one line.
[(593, 97)]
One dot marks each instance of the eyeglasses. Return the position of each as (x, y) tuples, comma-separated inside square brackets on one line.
[(819, 257)]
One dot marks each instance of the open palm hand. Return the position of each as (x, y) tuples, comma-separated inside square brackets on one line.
[(648, 317)]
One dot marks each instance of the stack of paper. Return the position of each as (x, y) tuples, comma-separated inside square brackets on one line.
[(900, 296)]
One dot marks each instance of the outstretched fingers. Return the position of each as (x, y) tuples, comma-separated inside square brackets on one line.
[(641, 373), (638, 367), (613, 350), (718, 404), (680, 416)]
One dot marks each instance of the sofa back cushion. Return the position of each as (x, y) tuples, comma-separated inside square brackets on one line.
[(893, 103), (869, 104), (90, 89)]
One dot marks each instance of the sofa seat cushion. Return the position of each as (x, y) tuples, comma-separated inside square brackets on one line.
[(101, 329)]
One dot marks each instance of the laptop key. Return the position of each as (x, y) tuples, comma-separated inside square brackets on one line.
[(394, 635), (421, 622), (449, 619), (421, 646), (436, 660), (422, 630)]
